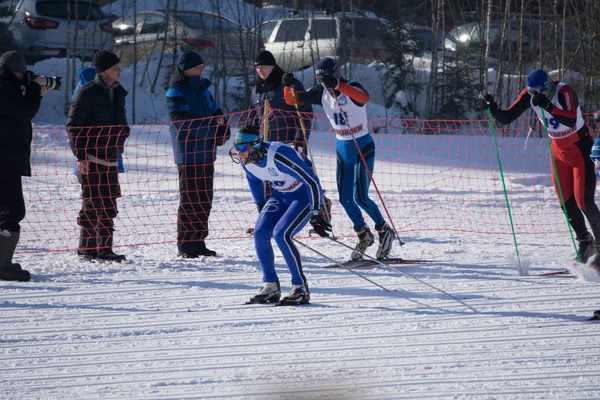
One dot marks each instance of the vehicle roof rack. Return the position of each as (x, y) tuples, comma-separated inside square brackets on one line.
[(295, 13)]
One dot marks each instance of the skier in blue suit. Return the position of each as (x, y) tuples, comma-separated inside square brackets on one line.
[(297, 198)]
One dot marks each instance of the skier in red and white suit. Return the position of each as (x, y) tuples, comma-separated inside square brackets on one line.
[(571, 148)]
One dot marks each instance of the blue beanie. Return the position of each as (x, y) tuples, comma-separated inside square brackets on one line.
[(327, 66), (188, 59)]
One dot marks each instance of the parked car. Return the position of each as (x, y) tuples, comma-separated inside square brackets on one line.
[(221, 42), (298, 41), (49, 28), (470, 34)]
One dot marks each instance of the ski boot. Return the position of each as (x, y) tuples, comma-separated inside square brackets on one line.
[(365, 239), (269, 293)]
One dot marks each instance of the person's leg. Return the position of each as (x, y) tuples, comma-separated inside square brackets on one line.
[(263, 231), (565, 159), (186, 213), (88, 214), (345, 170), (110, 191), (362, 181), (205, 190), (292, 221), (12, 211)]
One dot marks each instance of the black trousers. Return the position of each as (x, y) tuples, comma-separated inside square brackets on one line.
[(12, 204), (100, 190), (195, 203)]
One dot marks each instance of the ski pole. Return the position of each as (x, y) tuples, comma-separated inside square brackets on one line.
[(364, 161), (406, 274), (555, 173), (512, 226), (343, 267)]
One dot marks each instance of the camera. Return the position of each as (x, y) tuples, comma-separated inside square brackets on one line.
[(51, 82)]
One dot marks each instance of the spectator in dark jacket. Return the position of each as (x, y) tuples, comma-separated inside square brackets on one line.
[(197, 129), (284, 125), (20, 98), (97, 127)]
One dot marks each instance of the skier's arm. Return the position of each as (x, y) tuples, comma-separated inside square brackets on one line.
[(518, 107), (288, 161), (312, 96), (355, 91)]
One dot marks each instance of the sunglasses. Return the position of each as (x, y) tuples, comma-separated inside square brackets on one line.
[(536, 90), (242, 147)]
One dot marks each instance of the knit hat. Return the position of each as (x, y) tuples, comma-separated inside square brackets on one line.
[(265, 57), (14, 61), (103, 60), (189, 59)]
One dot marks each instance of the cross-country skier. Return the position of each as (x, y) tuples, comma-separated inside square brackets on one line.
[(297, 198), (344, 103), (557, 107)]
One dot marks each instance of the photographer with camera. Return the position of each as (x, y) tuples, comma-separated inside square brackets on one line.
[(20, 98), (97, 127)]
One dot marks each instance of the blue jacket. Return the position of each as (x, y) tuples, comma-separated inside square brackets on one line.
[(193, 132)]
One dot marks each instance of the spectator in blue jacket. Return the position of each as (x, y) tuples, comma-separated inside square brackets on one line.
[(198, 128)]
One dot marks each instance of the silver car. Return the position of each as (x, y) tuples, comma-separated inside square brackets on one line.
[(222, 43), (300, 40), (54, 28)]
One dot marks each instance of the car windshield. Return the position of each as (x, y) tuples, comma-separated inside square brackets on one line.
[(75, 10), (207, 22)]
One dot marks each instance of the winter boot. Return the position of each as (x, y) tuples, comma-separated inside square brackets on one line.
[(8, 270), (202, 250), (270, 293), (105, 251), (586, 247), (88, 245), (386, 240), (187, 250), (298, 295), (365, 239)]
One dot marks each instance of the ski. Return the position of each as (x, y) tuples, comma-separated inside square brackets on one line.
[(373, 263), (554, 273), (286, 304)]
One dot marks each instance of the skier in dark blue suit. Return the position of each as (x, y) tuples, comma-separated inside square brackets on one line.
[(297, 198)]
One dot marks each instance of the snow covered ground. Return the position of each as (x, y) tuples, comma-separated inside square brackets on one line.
[(159, 327), (466, 325)]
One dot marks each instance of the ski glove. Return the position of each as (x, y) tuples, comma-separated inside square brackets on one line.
[(489, 102), (329, 81), (288, 79), (540, 100), (319, 224)]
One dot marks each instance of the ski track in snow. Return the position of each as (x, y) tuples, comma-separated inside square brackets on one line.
[(160, 327)]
